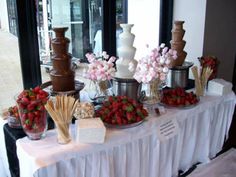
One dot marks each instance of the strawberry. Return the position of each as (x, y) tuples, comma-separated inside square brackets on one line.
[(128, 107), (129, 116), (124, 121), (113, 121), (121, 110), (30, 107), (138, 118), (36, 89), (25, 101), (119, 120)]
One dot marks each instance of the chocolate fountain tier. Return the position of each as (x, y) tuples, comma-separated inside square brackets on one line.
[(62, 63), (76, 93), (178, 44), (62, 75), (60, 44), (62, 82)]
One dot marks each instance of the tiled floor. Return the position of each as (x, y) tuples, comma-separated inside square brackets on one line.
[(10, 70)]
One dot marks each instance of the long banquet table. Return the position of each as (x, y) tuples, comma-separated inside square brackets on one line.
[(137, 151)]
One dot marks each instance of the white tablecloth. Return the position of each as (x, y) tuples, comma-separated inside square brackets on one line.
[(135, 152)]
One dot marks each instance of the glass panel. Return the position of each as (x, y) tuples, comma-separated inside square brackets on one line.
[(10, 68), (84, 22), (95, 23), (145, 17), (121, 17)]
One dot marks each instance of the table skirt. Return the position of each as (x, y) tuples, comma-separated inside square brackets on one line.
[(136, 152)]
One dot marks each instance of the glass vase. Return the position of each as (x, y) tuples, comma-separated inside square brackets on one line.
[(63, 134), (151, 93), (102, 91), (33, 119)]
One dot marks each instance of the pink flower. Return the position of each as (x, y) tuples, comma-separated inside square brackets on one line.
[(112, 59), (99, 69), (155, 65)]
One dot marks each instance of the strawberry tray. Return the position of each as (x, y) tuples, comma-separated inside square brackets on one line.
[(180, 106), (123, 126)]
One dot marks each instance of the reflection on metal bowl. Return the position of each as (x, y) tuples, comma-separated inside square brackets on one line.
[(126, 87), (178, 75)]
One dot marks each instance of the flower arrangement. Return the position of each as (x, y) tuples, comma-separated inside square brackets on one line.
[(155, 65), (100, 68), (100, 71), (152, 71)]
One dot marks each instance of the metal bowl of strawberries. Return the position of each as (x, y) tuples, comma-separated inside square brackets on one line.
[(179, 98), (121, 112)]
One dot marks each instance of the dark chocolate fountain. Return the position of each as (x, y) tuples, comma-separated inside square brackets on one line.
[(62, 75)]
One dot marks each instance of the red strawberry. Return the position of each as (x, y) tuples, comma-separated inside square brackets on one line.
[(25, 101), (113, 121), (31, 116), (130, 116), (128, 107), (30, 107), (36, 89), (124, 121), (145, 113), (119, 120), (138, 119)]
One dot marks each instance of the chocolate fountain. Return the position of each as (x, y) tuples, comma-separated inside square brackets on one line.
[(179, 72), (62, 75)]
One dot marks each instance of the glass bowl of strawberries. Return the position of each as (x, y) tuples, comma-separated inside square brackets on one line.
[(32, 112), (13, 118), (121, 112)]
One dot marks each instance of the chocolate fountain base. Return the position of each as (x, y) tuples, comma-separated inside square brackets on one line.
[(47, 86), (178, 76)]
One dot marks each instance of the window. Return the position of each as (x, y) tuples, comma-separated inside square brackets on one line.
[(91, 23)]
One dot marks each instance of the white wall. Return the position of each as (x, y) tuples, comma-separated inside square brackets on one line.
[(193, 13), (4, 25), (145, 17)]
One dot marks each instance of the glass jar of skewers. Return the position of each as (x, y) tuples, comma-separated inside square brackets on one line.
[(61, 110), (201, 79)]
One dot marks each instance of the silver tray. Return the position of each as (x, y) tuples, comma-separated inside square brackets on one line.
[(180, 106), (123, 126)]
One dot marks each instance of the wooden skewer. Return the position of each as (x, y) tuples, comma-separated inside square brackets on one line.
[(197, 80), (201, 81), (61, 112)]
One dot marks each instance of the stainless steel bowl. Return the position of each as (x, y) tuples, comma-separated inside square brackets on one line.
[(125, 87), (178, 75)]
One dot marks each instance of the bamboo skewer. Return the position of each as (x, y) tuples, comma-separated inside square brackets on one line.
[(201, 81), (61, 112)]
